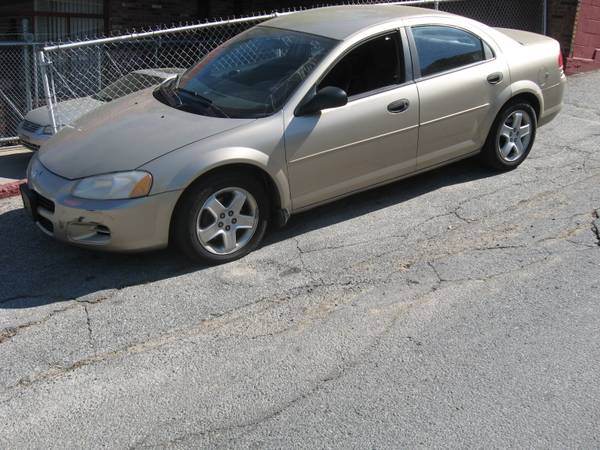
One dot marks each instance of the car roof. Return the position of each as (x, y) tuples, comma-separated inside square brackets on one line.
[(340, 22)]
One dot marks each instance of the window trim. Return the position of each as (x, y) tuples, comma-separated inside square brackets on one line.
[(405, 58), (415, 53)]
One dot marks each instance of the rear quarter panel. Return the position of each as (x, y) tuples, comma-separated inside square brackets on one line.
[(533, 64)]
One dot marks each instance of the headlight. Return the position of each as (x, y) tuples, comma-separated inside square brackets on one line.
[(114, 186)]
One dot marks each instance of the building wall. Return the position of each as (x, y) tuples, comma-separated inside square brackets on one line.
[(124, 15), (561, 21), (11, 18), (585, 53), (135, 14), (51, 20)]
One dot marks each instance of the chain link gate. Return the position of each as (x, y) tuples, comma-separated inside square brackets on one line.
[(73, 78)]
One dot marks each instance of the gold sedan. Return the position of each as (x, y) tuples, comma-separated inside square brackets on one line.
[(296, 112)]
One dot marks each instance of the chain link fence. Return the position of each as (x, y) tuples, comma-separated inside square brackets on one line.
[(108, 69), (72, 79), (521, 14), (20, 87)]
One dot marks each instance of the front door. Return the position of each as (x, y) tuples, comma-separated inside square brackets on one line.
[(370, 140)]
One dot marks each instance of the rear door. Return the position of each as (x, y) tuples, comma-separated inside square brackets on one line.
[(460, 79), (370, 140)]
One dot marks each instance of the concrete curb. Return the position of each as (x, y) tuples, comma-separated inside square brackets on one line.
[(10, 189)]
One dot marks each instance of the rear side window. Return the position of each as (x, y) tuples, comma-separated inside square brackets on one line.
[(372, 65), (443, 48)]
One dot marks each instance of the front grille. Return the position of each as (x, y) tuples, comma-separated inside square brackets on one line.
[(46, 224), (30, 126), (45, 203)]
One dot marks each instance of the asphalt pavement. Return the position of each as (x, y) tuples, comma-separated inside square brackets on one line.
[(459, 308)]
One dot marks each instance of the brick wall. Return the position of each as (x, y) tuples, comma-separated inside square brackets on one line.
[(586, 42)]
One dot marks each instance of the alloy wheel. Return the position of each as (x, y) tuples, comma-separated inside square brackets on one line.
[(227, 221), (514, 136)]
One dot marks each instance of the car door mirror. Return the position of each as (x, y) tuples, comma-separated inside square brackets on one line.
[(326, 98)]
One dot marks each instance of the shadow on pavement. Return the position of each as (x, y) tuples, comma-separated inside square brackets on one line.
[(366, 202), (38, 271)]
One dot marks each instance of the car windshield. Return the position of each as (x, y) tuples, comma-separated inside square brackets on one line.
[(126, 85), (250, 76)]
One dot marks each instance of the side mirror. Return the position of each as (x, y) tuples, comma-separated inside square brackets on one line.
[(328, 97)]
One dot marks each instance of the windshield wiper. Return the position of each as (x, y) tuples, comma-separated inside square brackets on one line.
[(202, 100)]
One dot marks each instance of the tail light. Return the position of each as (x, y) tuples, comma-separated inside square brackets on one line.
[(561, 63)]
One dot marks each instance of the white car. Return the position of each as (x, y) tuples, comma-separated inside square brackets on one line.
[(36, 126)]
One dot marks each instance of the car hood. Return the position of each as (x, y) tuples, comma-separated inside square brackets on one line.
[(66, 112), (125, 134)]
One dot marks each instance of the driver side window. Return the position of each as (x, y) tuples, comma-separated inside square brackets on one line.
[(372, 65)]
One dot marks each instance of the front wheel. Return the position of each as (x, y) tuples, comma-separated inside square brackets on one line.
[(511, 137), (221, 218)]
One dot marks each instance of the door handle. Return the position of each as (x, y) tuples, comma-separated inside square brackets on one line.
[(495, 78), (398, 106)]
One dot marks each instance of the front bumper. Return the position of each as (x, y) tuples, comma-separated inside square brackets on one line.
[(112, 225)]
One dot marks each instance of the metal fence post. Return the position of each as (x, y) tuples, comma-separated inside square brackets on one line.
[(27, 66), (99, 68), (36, 76), (50, 97)]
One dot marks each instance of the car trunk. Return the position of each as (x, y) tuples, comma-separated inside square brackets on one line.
[(525, 38)]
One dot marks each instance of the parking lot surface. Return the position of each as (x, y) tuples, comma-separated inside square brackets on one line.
[(457, 308)]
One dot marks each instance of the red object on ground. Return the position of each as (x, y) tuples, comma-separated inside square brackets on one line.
[(586, 42), (10, 189)]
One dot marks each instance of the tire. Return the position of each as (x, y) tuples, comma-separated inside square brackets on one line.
[(210, 206), (504, 149)]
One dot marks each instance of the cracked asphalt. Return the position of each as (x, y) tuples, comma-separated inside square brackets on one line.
[(459, 308)]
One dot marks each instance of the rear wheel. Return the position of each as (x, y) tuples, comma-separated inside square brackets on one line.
[(221, 218), (511, 137)]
